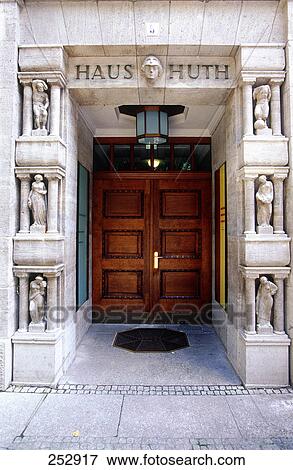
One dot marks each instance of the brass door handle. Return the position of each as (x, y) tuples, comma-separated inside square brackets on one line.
[(156, 259)]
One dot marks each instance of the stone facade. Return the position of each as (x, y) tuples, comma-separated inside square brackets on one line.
[(223, 51)]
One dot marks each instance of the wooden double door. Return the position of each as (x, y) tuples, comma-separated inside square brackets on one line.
[(151, 246)]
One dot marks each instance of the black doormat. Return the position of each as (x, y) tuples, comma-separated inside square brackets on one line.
[(151, 340)]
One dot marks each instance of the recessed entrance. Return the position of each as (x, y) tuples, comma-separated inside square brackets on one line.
[(152, 244)]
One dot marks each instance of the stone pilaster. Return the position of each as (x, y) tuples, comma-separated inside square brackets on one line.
[(55, 107), (23, 292), (278, 203), (279, 313), (53, 183), (249, 204), (27, 107), (250, 303), (247, 105), (275, 84), (52, 301), (25, 186)]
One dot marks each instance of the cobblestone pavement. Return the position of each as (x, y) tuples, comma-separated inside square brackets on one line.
[(192, 390), (122, 443)]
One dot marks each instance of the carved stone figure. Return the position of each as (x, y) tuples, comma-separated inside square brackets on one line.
[(40, 107), (262, 96), (37, 303), (38, 204), (264, 304), (264, 199), (152, 68)]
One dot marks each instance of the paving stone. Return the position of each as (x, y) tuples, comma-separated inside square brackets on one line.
[(182, 416), (15, 411), (60, 415)]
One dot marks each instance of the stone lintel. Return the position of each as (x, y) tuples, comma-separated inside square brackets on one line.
[(256, 271), (46, 270), (265, 76), (255, 171), (53, 171), (52, 77)]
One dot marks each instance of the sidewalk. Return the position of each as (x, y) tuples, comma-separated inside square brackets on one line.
[(113, 419)]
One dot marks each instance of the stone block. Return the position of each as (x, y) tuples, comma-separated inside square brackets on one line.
[(38, 249), (37, 358), (263, 360), (40, 151), (265, 250), (261, 58), (264, 150), (45, 58)]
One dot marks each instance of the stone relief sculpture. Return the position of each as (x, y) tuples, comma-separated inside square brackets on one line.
[(264, 199), (262, 96), (264, 304), (40, 107), (37, 303), (38, 204), (152, 68)]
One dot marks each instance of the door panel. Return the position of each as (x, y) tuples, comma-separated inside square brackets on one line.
[(122, 284), (178, 204), (123, 243), (182, 243), (125, 203), (120, 239), (182, 237), (176, 284), (133, 218)]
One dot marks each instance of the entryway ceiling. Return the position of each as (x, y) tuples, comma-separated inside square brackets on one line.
[(197, 120)]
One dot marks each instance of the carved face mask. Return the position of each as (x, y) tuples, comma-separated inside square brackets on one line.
[(151, 68), (152, 71)]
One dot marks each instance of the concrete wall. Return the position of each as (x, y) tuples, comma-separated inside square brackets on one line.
[(9, 130)]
